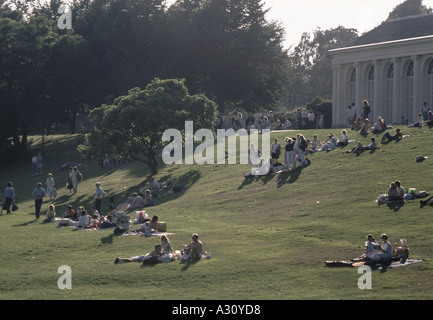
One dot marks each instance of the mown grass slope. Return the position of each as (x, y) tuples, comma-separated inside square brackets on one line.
[(269, 237)]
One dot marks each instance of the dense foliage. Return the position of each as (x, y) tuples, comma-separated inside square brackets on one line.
[(225, 49)]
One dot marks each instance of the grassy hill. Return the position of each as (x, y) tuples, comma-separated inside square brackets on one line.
[(269, 237)]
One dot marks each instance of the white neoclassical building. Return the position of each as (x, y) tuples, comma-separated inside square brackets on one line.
[(390, 66)]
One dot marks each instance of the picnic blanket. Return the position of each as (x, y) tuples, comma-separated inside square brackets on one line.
[(383, 198), (143, 234), (383, 265)]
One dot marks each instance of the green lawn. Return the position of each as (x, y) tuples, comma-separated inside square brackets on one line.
[(269, 237)]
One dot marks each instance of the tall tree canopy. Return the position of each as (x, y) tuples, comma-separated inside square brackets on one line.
[(409, 8), (225, 49), (312, 64)]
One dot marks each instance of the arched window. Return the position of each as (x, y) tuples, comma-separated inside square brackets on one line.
[(430, 84), (409, 92), (389, 93), (370, 91)]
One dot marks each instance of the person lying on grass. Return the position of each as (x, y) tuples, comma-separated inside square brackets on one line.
[(428, 202), (360, 147), (151, 256), (396, 137)]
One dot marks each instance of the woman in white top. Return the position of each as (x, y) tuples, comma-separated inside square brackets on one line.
[(344, 140), (165, 244), (372, 248), (84, 220), (386, 249), (50, 185)]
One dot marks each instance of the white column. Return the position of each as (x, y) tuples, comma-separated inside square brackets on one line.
[(398, 97), (417, 89), (379, 103), (338, 95), (359, 92), (335, 97)]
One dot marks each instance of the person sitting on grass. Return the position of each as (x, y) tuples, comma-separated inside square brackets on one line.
[(51, 213), (365, 128), (419, 122), (315, 144), (108, 222), (400, 190), (357, 124), (153, 223), (429, 121), (148, 199), (398, 136), (137, 201), (344, 140), (83, 220), (386, 249), (193, 250), (166, 245), (360, 147), (379, 126), (151, 257), (330, 143), (372, 248), (70, 213), (392, 192)]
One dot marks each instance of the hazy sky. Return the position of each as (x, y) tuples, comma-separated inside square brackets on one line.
[(299, 16)]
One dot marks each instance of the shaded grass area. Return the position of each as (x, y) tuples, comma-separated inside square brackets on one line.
[(269, 236)]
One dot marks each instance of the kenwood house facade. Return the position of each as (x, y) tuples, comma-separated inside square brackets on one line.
[(390, 66)]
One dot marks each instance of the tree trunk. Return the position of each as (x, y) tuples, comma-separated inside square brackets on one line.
[(72, 123)]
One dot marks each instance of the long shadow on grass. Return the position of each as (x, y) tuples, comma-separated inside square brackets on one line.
[(24, 223), (183, 182), (282, 178), (395, 206), (108, 239), (188, 264)]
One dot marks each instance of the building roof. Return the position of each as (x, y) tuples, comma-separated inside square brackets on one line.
[(398, 29)]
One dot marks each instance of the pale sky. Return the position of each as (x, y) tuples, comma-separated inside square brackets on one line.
[(299, 16)]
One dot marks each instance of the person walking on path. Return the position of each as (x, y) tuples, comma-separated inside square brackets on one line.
[(99, 195), (38, 195)]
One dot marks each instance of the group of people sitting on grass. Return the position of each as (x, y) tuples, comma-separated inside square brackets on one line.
[(145, 197), (383, 252), (376, 254), (164, 252), (295, 148), (396, 193), (82, 219)]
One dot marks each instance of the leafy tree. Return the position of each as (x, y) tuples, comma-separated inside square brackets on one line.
[(409, 8), (324, 106), (68, 83), (133, 125), (229, 51), (312, 64), (23, 51)]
